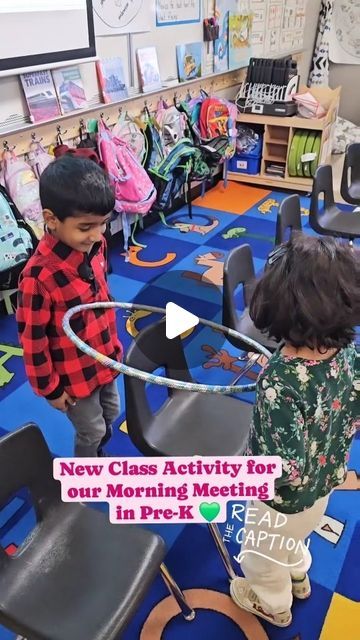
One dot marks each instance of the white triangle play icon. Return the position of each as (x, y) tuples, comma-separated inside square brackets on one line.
[(178, 320)]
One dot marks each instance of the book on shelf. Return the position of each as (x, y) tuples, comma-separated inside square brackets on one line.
[(110, 72), (189, 61), (70, 89), (240, 28), (148, 69), (40, 95)]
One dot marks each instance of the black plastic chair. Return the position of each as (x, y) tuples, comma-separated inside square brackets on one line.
[(350, 182), (330, 220), (188, 423), (289, 218), (239, 270), (76, 576)]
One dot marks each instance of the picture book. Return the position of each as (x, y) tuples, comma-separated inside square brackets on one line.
[(221, 51), (69, 88), (189, 61), (240, 27), (223, 8), (111, 77), (40, 94), (148, 69)]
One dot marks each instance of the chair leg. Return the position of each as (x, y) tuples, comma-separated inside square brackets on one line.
[(224, 554), (253, 360), (187, 612)]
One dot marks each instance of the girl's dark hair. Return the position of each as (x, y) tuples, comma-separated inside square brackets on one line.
[(309, 294), (70, 187)]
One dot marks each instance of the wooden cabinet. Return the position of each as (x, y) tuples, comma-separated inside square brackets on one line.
[(278, 134)]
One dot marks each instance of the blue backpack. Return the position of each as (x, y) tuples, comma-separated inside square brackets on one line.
[(17, 242)]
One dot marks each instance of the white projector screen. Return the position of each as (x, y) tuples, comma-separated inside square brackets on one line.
[(39, 34)]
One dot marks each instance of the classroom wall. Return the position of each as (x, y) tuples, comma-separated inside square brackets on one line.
[(312, 17), (348, 77), (344, 75), (13, 108)]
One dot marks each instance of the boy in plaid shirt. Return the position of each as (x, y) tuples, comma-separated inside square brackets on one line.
[(69, 268)]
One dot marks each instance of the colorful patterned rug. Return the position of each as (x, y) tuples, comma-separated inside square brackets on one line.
[(177, 265)]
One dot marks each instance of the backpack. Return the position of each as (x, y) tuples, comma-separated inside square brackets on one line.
[(23, 188), (172, 125), (133, 189), (39, 159), (214, 118), (17, 242), (154, 148), (129, 131), (172, 173)]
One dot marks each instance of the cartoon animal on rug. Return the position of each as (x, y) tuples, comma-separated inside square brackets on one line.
[(202, 229), (270, 204), (224, 360), (8, 351), (214, 273), (240, 232), (148, 264)]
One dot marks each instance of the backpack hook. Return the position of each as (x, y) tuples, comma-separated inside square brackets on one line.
[(33, 138)]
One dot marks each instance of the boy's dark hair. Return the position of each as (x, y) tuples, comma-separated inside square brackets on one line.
[(309, 294), (70, 187)]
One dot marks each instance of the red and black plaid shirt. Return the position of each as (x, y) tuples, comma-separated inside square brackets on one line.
[(55, 279)]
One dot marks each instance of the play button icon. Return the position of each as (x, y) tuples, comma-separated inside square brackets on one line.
[(178, 320)]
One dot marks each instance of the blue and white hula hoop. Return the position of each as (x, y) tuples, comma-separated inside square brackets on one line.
[(149, 377)]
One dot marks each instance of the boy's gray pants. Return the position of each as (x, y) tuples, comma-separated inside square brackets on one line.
[(93, 417)]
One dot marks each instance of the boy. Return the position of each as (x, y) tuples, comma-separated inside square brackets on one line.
[(67, 269)]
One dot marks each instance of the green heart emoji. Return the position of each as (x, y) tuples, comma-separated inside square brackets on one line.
[(209, 510)]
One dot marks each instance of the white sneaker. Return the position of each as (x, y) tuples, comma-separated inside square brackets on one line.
[(243, 595), (301, 586)]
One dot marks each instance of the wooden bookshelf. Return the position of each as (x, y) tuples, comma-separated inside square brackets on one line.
[(278, 135)]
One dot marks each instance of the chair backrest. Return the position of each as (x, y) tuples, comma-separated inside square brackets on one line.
[(351, 174), (25, 461), (238, 270), (289, 217), (323, 184), (150, 351)]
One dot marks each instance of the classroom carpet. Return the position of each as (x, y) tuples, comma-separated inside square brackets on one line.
[(183, 263)]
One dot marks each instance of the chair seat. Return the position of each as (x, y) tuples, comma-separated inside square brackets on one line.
[(246, 326), (354, 191), (200, 424), (341, 224), (76, 551)]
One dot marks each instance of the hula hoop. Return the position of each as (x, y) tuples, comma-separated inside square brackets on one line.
[(149, 377)]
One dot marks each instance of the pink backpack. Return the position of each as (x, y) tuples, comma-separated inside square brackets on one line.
[(134, 191), (23, 187), (39, 159)]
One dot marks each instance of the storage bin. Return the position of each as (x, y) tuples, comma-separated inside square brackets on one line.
[(247, 162)]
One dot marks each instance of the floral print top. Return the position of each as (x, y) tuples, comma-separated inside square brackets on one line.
[(307, 413)]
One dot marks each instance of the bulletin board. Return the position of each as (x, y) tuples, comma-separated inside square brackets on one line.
[(278, 26)]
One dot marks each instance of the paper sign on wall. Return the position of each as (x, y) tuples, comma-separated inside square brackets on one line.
[(114, 17), (179, 12)]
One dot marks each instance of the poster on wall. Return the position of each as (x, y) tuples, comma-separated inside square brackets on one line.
[(293, 25), (116, 17), (179, 12), (223, 8), (258, 27), (239, 40), (344, 33)]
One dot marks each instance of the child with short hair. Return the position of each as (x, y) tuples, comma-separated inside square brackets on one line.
[(307, 410), (68, 269)]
